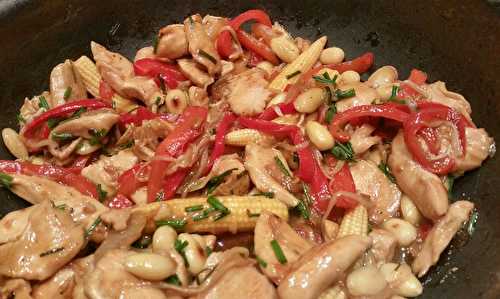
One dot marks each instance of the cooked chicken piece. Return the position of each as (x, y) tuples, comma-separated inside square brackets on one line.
[(201, 47), (383, 246), (110, 279), (384, 195), (172, 42), (49, 241), (63, 284), (83, 209), (107, 169), (13, 224), (361, 139), (61, 153), (31, 107), (242, 283), (214, 25), (96, 120), (365, 95), (270, 227), (15, 289), (437, 92), (423, 187), (66, 84), (320, 267), (479, 145), (257, 162), (440, 236), (193, 72), (198, 97), (142, 88)]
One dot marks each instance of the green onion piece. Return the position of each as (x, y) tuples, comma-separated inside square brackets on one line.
[(202, 215), (179, 247), (471, 226), (67, 93), (174, 223), (97, 136), (385, 169), (330, 113), (20, 118), (61, 207), (282, 166), (220, 215), (158, 101), (51, 251), (290, 76), (261, 262), (278, 252), (162, 83), (42, 103), (345, 94), (325, 79), (208, 250), (174, 279), (160, 196), (156, 39), (127, 144), (101, 192), (53, 122), (92, 227), (343, 151), (394, 92), (214, 182), (62, 136), (217, 205), (194, 208), (450, 180), (303, 209), (143, 242), (329, 94), (251, 215), (207, 56), (266, 194), (5, 180)]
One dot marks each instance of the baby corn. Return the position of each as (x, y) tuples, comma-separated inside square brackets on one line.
[(354, 223)]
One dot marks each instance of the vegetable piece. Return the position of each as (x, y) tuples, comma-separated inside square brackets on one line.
[(175, 224), (282, 166), (355, 222), (251, 43), (172, 182), (214, 182), (219, 144), (285, 108), (194, 208), (129, 181), (136, 117), (303, 63), (360, 64), (325, 78), (61, 111), (89, 231), (385, 169), (101, 193), (344, 94), (389, 111), (224, 44), (92, 81), (243, 137), (105, 91), (160, 71), (236, 221), (5, 180), (343, 151), (278, 252), (120, 201), (418, 77), (42, 103)]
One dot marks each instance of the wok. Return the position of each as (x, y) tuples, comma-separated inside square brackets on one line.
[(457, 41)]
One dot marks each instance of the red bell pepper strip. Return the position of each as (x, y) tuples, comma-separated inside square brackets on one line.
[(105, 91), (172, 182), (343, 181), (251, 43), (52, 172), (418, 77), (153, 68), (129, 181), (174, 145), (429, 112), (360, 64), (120, 201), (384, 110), (136, 117), (220, 133), (224, 44), (406, 91), (62, 111), (270, 113)]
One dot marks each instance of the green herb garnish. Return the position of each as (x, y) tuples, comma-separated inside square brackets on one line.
[(5, 180), (179, 247), (156, 39), (203, 215), (251, 215), (127, 144), (278, 252), (101, 192), (143, 242), (214, 182), (208, 251), (20, 118), (160, 196), (219, 216), (67, 93), (261, 262), (42, 103), (92, 227), (62, 136), (290, 76), (282, 166), (97, 136), (325, 79), (162, 83), (385, 169), (330, 113), (266, 194), (174, 279), (303, 209), (51, 251), (217, 205), (194, 208), (175, 223), (471, 226), (450, 180), (207, 56), (53, 122), (344, 94), (61, 207), (343, 151)]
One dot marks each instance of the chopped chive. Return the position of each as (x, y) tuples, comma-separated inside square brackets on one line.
[(394, 92), (194, 208), (156, 39), (42, 103), (202, 215), (62, 136), (160, 196), (266, 194), (217, 205), (385, 169), (174, 279), (330, 113), (179, 247), (208, 250), (471, 226), (278, 252), (214, 182), (53, 122), (20, 118), (174, 223), (344, 94), (251, 215), (282, 166), (290, 76), (97, 136), (329, 94), (51, 251), (303, 209), (143, 242), (127, 144), (220, 215), (261, 262), (5, 180), (207, 56), (67, 93), (343, 151), (101, 192), (61, 207), (158, 101), (92, 227), (325, 79), (162, 83), (450, 180)]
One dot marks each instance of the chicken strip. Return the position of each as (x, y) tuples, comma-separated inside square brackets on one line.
[(201, 47), (365, 95), (88, 123), (66, 84), (479, 146)]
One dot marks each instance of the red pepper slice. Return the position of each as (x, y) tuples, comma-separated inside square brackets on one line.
[(360, 64), (258, 15), (136, 117), (172, 182), (153, 68), (129, 181), (418, 77), (62, 111), (120, 201), (385, 110), (105, 91), (173, 145), (270, 113), (224, 44), (429, 112), (52, 172), (263, 32), (219, 145), (255, 45)]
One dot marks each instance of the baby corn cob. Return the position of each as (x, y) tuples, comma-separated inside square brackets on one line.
[(243, 212), (354, 223), (92, 79), (333, 293), (301, 64), (243, 137)]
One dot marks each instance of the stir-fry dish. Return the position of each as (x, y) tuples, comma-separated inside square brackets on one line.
[(231, 161)]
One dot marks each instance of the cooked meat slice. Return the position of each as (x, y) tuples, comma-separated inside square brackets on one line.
[(440, 236), (437, 92), (172, 42), (361, 139), (365, 95), (110, 279), (50, 240), (31, 107), (384, 245), (270, 227), (246, 92), (479, 145), (142, 88), (66, 84), (13, 225), (83, 209), (242, 282), (423, 187), (214, 25), (96, 120), (384, 195), (320, 267), (258, 161), (106, 170), (193, 72), (62, 152), (201, 47), (15, 289)]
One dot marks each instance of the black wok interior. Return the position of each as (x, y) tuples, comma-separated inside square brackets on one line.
[(457, 41)]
